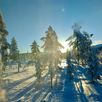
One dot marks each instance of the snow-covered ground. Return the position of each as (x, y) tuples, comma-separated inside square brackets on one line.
[(24, 87)]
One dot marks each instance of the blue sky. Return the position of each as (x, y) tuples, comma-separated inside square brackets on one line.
[(28, 20)]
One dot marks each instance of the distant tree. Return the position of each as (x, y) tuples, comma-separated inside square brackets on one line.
[(4, 46), (52, 50), (81, 43), (35, 49), (51, 45), (14, 52)]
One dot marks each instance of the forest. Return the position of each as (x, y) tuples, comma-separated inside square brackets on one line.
[(48, 75)]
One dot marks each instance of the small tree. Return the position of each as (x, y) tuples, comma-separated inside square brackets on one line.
[(93, 63), (36, 57), (4, 45), (35, 50), (14, 52)]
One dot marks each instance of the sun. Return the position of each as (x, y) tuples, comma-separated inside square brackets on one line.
[(66, 46)]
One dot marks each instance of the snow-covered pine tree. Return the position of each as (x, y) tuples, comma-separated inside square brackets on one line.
[(93, 63), (52, 50), (81, 43), (14, 52), (4, 45)]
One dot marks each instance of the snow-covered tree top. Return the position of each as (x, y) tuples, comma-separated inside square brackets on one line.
[(76, 27)]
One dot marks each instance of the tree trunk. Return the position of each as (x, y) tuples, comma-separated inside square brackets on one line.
[(51, 76)]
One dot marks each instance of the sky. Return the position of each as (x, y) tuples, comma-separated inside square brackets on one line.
[(27, 20)]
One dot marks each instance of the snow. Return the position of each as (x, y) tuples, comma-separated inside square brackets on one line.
[(24, 86)]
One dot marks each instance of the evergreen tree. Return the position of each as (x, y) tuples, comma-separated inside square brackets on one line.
[(4, 45), (35, 49), (36, 57), (52, 50), (51, 45), (93, 63), (14, 50), (81, 43)]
